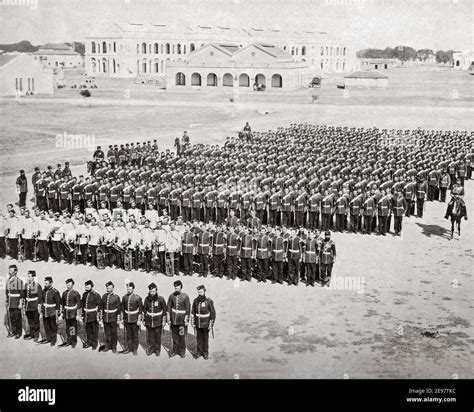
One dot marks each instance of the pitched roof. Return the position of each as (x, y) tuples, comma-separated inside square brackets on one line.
[(7, 58), (42, 52), (373, 74), (55, 46)]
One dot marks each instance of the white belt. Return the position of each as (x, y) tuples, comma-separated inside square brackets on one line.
[(232, 246), (294, 250), (278, 250), (31, 299), (155, 314), (264, 248), (178, 311), (203, 244), (90, 310), (110, 311), (70, 307), (246, 248), (188, 244), (131, 312), (202, 316), (310, 251), (14, 295), (49, 305)]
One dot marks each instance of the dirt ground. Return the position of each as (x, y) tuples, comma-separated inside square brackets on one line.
[(385, 293)]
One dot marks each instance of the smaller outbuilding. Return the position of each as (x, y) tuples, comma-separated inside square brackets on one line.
[(366, 79)]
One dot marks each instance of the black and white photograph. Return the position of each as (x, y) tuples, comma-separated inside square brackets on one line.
[(212, 192)]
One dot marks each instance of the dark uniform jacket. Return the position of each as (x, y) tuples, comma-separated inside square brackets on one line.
[(154, 311), (51, 302), (178, 308), (33, 296), (90, 306), (132, 307), (14, 292), (71, 302), (203, 312), (111, 306), (328, 252)]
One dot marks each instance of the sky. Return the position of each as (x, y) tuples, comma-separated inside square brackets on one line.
[(434, 24)]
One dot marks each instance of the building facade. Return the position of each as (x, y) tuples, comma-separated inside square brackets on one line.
[(132, 49), (59, 56), (463, 60), (231, 68), (378, 63), (21, 74)]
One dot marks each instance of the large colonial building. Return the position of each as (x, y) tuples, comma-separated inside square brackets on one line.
[(228, 67), (132, 49)]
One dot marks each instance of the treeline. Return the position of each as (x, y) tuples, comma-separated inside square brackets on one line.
[(406, 53), (25, 46)]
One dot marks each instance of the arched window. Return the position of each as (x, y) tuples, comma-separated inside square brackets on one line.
[(98, 48), (115, 47), (173, 50), (293, 51), (260, 80), (138, 66), (277, 81), (343, 65), (179, 48), (244, 80), (184, 49), (93, 47), (327, 50), (191, 47), (156, 48), (296, 51), (195, 79), (157, 66), (303, 50), (168, 49), (104, 47), (104, 65), (180, 79), (228, 80), (149, 49), (322, 50), (138, 49), (162, 66), (337, 65), (330, 51), (162, 49), (143, 48), (114, 67), (212, 80), (93, 65), (344, 51), (144, 66)]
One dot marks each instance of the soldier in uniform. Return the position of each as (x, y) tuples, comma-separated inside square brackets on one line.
[(219, 243), (132, 309), (294, 258), (204, 245), (110, 309), (369, 208), (33, 295), (232, 252), (154, 314), (383, 207), (310, 258), (410, 195), (71, 304), (14, 296), (50, 311), (178, 312), (399, 207), (90, 311), (262, 249), (421, 189), (355, 207), (444, 183), (246, 242), (203, 316), (188, 250), (327, 259), (278, 253)]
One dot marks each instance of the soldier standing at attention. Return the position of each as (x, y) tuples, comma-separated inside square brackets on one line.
[(33, 296), (22, 188), (90, 310), (132, 308), (328, 257), (71, 303), (14, 294), (399, 207), (203, 316), (51, 304), (111, 308), (178, 311), (421, 189), (154, 313)]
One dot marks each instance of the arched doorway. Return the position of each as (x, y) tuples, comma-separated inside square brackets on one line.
[(157, 66), (260, 80), (228, 80), (104, 65), (244, 80), (144, 66), (277, 81), (195, 79), (93, 65), (212, 80), (180, 79)]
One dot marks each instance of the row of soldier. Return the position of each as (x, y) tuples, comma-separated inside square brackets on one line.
[(130, 242), (283, 176), (36, 303)]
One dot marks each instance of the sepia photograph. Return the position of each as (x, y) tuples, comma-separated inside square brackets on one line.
[(237, 190)]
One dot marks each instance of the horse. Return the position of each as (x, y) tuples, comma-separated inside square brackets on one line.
[(456, 210)]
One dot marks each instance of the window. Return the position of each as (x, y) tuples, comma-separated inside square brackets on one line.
[(168, 49), (277, 81), (180, 79), (93, 47), (149, 49), (157, 66), (303, 51), (322, 50), (244, 80), (376, 66), (156, 48), (179, 48), (173, 49), (228, 80), (32, 84), (292, 51), (327, 50), (104, 65), (115, 47), (195, 79), (337, 51), (21, 84), (16, 83), (212, 80), (191, 47), (144, 66), (138, 49), (322, 65), (344, 51), (93, 65), (184, 49), (385, 66), (143, 48), (104, 47)]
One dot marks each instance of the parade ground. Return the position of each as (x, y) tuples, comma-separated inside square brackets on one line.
[(398, 307)]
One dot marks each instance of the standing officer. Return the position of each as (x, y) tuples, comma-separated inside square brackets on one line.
[(383, 208), (219, 251), (410, 195), (444, 183), (421, 189), (33, 295), (14, 291), (204, 245), (22, 188), (294, 258), (90, 311), (203, 316), (50, 311), (231, 253), (369, 208), (132, 308), (327, 259), (111, 308), (279, 246), (71, 303), (310, 258), (154, 314), (187, 249), (262, 254), (246, 241), (178, 311), (399, 207)]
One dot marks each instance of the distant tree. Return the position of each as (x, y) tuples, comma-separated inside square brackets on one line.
[(444, 57), (424, 54), (23, 46), (79, 48), (404, 53)]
